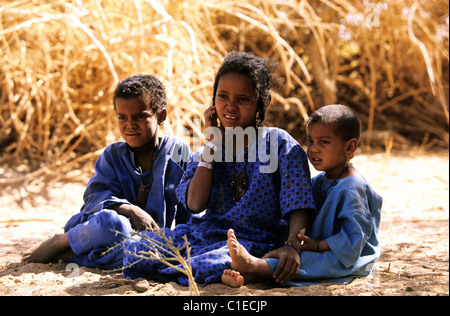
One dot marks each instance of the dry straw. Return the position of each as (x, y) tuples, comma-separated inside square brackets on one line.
[(61, 60), (161, 249)]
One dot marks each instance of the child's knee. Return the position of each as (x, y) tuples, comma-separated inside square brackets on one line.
[(111, 222)]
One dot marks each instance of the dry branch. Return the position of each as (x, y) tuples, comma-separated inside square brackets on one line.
[(164, 251)]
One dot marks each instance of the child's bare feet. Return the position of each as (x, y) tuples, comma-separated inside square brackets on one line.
[(249, 267), (48, 249), (232, 278), (241, 260)]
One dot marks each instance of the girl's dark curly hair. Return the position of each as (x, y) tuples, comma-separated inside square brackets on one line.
[(148, 89), (260, 71)]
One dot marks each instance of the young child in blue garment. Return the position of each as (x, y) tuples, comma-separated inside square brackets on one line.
[(265, 201), (341, 241), (133, 186)]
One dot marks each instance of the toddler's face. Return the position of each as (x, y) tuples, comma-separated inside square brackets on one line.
[(326, 150), (137, 124)]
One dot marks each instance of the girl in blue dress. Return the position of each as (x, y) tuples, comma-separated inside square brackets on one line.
[(341, 241), (134, 183), (257, 185)]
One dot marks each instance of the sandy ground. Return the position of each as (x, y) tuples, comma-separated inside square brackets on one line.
[(414, 235)]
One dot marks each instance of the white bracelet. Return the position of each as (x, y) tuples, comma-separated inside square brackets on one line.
[(205, 165), (211, 145)]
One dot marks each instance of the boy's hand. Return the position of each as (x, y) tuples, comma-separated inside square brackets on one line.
[(140, 219), (307, 244), (311, 244)]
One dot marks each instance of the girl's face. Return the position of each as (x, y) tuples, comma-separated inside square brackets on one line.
[(138, 125), (326, 150), (236, 101)]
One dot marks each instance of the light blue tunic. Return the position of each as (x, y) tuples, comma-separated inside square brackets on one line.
[(117, 180), (349, 220)]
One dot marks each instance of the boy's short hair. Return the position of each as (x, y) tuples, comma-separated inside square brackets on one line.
[(148, 89), (344, 121)]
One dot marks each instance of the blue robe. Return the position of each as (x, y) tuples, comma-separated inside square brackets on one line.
[(259, 219), (349, 220), (116, 181)]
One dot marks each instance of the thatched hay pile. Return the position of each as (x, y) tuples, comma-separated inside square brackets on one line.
[(61, 61)]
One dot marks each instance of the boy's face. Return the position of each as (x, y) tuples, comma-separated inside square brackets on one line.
[(138, 125), (326, 150)]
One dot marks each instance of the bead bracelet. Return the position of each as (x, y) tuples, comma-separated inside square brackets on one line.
[(291, 245)]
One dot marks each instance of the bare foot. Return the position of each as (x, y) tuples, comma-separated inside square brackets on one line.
[(232, 278), (48, 249), (241, 260), (251, 267)]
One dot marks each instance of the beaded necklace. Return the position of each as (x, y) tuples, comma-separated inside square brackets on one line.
[(239, 183), (144, 189)]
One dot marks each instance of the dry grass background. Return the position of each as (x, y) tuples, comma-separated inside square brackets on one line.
[(62, 59)]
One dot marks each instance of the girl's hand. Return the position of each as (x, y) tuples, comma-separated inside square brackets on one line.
[(211, 116), (212, 132), (288, 263)]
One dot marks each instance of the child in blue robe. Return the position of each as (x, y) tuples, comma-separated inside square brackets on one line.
[(266, 201), (341, 240), (133, 186)]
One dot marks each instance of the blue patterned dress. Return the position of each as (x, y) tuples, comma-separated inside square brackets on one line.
[(259, 219)]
